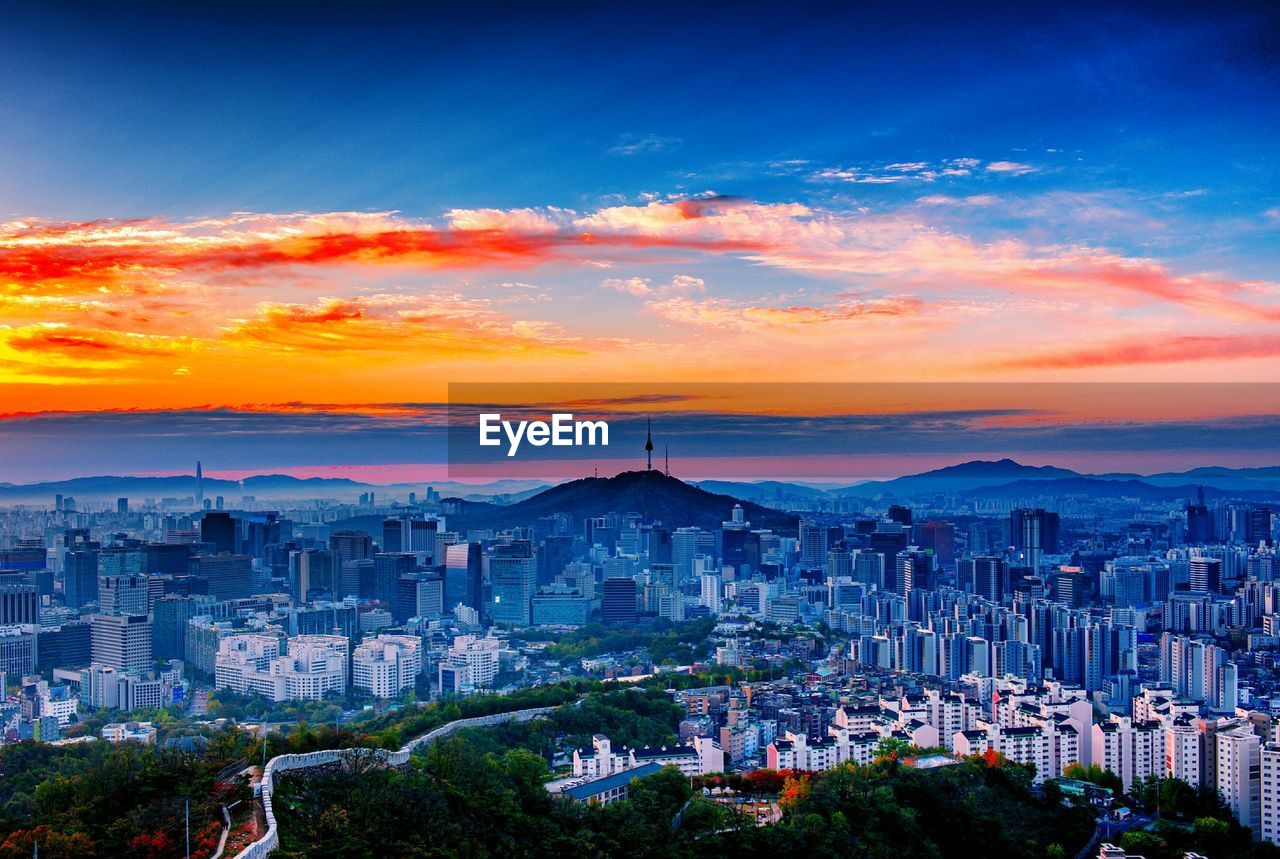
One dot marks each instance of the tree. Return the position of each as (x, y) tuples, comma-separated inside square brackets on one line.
[(895, 748), (21, 844), (1142, 843)]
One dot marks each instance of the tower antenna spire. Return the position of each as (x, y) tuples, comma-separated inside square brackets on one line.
[(648, 445), (666, 460)]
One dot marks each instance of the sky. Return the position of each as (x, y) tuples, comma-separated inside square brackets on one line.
[(214, 221)]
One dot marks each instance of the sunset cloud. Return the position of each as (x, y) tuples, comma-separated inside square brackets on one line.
[(165, 300), (722, 314), (429, 326), (1143, 349)]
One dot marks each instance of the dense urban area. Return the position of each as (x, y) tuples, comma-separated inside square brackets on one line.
[(988, 658)]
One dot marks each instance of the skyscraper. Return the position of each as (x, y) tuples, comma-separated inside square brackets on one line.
[(348, 547), (218, 528), (122, 642), (619, 602), (513, 575), (1206, 574), (463, 573), (19, 599), (388, 567), (986, 577), (123, 595), (229, 576), (1035, 532), (80, 577)]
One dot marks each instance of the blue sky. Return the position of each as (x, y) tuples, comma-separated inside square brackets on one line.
[(138, 110)]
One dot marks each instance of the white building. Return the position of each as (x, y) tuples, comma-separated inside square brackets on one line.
[(387, 665), (119, 732), (469, 663), (251, 663), (1239, 774), (1132, 750), (1182, 753), (701, 756), (1269, 793)]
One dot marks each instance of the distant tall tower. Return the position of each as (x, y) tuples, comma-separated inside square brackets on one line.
[(648, 446), (666, 460), (199, 486)]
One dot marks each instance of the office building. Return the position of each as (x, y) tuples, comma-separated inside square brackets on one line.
[(122, 642), (513, 574)]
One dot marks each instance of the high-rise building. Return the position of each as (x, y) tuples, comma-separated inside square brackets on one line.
[(463, 576), (1205, 574), (985, 576), (169, 626), (418, 595), (122, 642), (1200, 526), (388, 569), (554, 554), (1269, 793), (387, 665), (410, 534), (80, 578), (66, 646), (813, 544), (1034, 532), (219, 529), (230, 577), (123, 595), (619, 601), (312, 570), (19, 599), (940, 538), (348, 546), (711, 592), (470, 663), (513, 575), (1239, 774), (915, 571), (18, 650), (558, 604)]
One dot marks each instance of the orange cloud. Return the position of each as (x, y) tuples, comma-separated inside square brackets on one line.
[(134, 256), (717, 313), (155, 299), (1147, 349), (430, 326), (91, 345)]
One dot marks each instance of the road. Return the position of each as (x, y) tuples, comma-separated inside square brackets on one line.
[(1108, 830)]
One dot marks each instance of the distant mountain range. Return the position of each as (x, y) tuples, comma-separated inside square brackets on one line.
[(1005, 478), (262, 486), (1002, 478)]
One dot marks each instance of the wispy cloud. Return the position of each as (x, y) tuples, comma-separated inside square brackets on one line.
[(892, 173), (639, 144), (430, 326), (681, 284), (1010, 168), (723, 314)]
